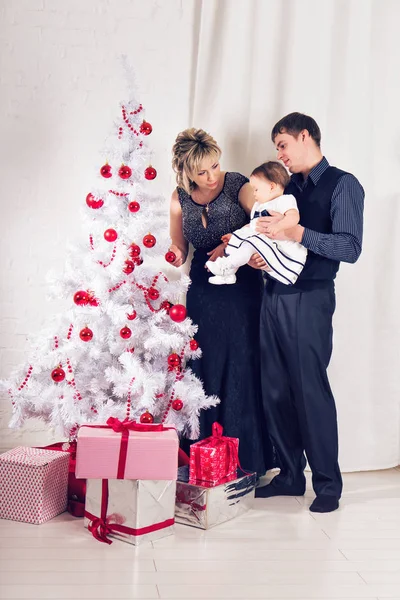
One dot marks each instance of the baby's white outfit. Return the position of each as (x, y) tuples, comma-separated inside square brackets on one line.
[(285, 259)]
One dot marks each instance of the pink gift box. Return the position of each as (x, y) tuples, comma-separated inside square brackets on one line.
[(214, 460), (150, 453), (33, 484)]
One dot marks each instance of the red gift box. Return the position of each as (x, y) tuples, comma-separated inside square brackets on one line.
[(214, 460)]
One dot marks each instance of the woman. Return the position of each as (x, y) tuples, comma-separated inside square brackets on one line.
[(207, 204)]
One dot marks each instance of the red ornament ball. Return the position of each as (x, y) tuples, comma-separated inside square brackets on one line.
[(153, 293), (92, 300), (177, 404), (146, 417), (170, 256), (174, 360), (134, 250), (125, 333), (86, 334), (194, 345), (92, 202), (149, 241), (166, 306), (132, 316), (58, 374), (129, 267), (110, 235), (146, 128), (81, 298), (106, 171), (177, 313), (138, 260), (134, 206), (125, 172), (150, 173)]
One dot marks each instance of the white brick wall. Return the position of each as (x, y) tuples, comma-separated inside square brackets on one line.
[(60, 85)]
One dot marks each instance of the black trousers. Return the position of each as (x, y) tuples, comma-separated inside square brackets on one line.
[(296, 347)]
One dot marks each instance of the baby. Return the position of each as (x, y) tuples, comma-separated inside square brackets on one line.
[(285, 259)]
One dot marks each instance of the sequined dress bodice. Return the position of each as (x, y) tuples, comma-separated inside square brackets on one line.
[(224, 214)]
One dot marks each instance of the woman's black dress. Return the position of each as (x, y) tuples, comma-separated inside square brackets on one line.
[(228, 320)]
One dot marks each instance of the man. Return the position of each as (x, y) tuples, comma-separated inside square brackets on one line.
[(296, 321)]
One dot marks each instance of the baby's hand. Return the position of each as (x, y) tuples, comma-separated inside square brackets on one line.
[(225, 238)]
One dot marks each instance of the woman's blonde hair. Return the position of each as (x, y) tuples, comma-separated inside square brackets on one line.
[(191, 147)]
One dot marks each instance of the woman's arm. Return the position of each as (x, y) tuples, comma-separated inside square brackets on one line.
[(246, 198), (179, 244)]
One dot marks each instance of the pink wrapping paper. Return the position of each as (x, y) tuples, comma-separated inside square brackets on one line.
[(150, 454), (214, 460), (33, 484)]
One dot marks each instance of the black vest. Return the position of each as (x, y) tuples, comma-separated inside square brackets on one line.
[(314, 203)]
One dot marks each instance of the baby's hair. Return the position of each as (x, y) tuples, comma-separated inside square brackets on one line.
[(273, 171)]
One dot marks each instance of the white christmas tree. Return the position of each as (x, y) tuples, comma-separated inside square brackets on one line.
[(121, 348)]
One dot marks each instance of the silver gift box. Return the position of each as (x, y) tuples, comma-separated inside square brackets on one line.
[(133, 503), (205, 507)]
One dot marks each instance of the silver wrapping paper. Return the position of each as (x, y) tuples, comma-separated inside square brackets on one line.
[(135, 504), (205, 507)]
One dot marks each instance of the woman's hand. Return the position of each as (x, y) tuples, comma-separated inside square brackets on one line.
[(180, 256), (216, 253)]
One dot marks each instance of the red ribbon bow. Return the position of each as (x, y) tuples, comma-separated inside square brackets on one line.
[(100, 527), (100, 530)]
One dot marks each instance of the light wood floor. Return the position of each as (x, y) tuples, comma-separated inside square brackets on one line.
[(277, 550)]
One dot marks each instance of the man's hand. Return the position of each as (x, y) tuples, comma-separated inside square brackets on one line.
[(263, 223), (294, 234), (216, 253), (257, 262)]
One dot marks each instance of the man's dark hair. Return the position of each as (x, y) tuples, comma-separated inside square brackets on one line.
[(294, 123)]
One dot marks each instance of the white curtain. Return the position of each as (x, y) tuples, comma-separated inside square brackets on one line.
[(338, 61)]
